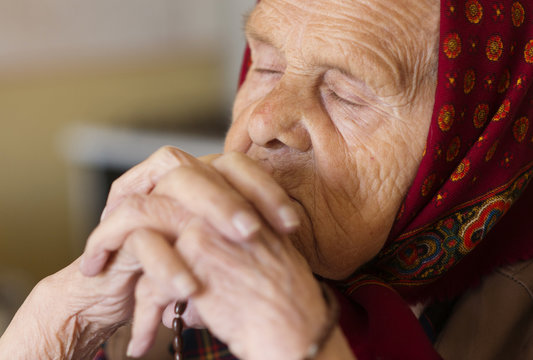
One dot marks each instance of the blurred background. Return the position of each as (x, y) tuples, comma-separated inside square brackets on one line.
[(87, 89)]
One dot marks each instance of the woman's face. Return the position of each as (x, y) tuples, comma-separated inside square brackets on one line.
[(337, 106)]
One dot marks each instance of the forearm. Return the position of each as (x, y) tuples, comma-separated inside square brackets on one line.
[(49, 326)]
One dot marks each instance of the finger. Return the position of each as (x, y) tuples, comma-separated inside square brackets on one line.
[(143, 177), (208, 159), (169, 313), (203, 247), (206, 194), (137, 211), (146, 318), (257, 186), (162, 263)]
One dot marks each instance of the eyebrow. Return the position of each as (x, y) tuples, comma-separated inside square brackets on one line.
[(251, 33)]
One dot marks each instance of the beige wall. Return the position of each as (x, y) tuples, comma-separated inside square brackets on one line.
[(34, 219)]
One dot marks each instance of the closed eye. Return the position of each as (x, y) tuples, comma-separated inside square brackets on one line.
[(267, 71), (342, 100)]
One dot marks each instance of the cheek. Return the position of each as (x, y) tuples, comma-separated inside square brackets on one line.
[(355, 123), (361, 181)]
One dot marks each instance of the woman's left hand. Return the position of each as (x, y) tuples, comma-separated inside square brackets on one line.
[(259, 297)]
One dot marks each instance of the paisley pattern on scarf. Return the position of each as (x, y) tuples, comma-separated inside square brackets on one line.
[(424, 254)]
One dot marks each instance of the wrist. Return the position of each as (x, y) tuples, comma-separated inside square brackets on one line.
[(329, 343), (330, 324), (40, 330), (77, 332), (300, 335), (50, 324), (336, 347)]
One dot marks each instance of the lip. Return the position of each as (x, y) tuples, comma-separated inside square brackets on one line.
[(279, 163), (283, 159)]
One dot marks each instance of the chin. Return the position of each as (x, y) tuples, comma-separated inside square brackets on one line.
[(336, 271), (332, 268)]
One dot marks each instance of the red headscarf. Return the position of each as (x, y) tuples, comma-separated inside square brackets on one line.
[(476, 167), (477, 164)]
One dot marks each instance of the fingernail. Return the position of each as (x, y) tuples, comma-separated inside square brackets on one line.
[(184, 284), (289, 217), (246, 224), (129, 352)]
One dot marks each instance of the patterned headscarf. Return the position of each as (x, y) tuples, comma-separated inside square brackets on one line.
[(479, 151), (477, 163)]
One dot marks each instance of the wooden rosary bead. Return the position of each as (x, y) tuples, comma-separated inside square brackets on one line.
[(177, 326)]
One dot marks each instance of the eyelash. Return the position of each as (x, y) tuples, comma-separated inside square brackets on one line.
[(340, 99), (267, 71), (331, 93)]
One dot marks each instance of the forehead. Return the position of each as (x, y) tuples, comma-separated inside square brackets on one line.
[(360, 37)]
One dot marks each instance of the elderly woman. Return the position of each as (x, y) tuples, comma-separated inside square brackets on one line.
[(372, 147)]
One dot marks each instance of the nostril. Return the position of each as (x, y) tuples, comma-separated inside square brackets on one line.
[(274, 144)]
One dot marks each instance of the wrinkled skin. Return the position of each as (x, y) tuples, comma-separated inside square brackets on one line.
[(337, 106), (328, 131)]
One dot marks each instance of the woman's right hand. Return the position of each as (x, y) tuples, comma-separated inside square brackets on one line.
[(68, 315), (158, 194)]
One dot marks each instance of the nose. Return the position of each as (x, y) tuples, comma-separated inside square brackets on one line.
[(279, 121)]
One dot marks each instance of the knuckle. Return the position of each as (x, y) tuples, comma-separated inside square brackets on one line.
[(171, 155), (148, 293), (134, 205), (180, 175), (165, 151), (139, 236), (151, 209), (116, 186), (195, 244), (144, 288)]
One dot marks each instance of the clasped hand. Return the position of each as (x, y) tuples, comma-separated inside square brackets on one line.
[(212, 231)]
